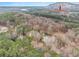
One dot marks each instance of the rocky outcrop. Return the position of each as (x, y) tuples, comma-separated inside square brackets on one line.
[(35, 35)]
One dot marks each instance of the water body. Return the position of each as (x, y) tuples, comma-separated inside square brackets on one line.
[(18, 8)]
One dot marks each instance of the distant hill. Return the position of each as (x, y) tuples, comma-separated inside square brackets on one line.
[(65, 5)]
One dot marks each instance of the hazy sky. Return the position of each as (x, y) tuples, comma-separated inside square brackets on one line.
[(25, 3)]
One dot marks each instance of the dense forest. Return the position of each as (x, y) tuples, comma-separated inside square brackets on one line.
[(29, 34)]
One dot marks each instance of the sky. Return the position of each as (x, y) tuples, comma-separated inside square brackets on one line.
[(25, 3)]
